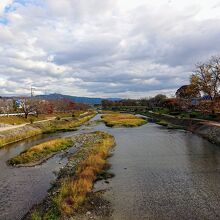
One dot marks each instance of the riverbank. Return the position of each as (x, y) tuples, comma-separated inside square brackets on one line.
[(203, 128), (76, 179), (30, 130), (156, 172)]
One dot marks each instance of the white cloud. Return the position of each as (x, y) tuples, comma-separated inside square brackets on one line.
[(3, 5), (104, 48)]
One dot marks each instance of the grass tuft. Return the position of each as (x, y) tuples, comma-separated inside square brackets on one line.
[(36, 215)]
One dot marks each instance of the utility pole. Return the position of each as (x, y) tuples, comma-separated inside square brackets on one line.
[(32, 92)]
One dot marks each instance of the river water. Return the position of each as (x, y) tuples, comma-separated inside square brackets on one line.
[(160, 174)]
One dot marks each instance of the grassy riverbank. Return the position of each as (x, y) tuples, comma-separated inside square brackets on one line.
[(18, 120), (66, 124), (12, 136), (59, 124), (77, 178), (40, 152), (169, 125), (122, 120)]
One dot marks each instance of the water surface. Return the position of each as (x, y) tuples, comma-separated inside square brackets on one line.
[(163, 174), (160, 174)]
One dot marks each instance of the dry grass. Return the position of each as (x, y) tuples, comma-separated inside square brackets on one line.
[(76, 113), (41, 151), (122, 120), (18, 120), (27, 131), (11, 136), (73, 190), (76, 123), (66, 124), (109, 112)]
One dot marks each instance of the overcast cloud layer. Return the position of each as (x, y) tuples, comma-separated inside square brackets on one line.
[(104, 48)]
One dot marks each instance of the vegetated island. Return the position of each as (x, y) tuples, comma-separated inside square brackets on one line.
[(122, 120), (41, 152), (75, 181)]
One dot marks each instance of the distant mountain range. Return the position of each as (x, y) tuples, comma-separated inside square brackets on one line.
[(85, 100)]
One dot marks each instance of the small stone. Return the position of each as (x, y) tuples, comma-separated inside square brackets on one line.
[(88, 213)]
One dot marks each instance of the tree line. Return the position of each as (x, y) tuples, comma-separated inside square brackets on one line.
[(204, 85), (31, 105)]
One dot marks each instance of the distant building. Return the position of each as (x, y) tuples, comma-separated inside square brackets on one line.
[(18, 103)]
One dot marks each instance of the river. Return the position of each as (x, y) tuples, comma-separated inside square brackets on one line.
[(160, 174)]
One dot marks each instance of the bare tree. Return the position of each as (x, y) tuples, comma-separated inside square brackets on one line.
[(207, 78), (64, 105), (6, 106), (28, 106)]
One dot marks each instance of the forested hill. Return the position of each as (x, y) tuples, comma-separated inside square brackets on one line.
[(85, 100)]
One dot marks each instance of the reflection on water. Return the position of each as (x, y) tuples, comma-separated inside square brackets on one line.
[(164, 174), (20, 188), (161, 174)]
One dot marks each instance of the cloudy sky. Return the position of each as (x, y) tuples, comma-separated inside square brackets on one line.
[(104, 48)]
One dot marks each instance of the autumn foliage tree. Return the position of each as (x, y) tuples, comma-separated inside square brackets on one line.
[(186, 93), (207, 78), (63, 105)]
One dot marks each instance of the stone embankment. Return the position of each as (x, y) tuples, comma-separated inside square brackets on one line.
[(207, 129)]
